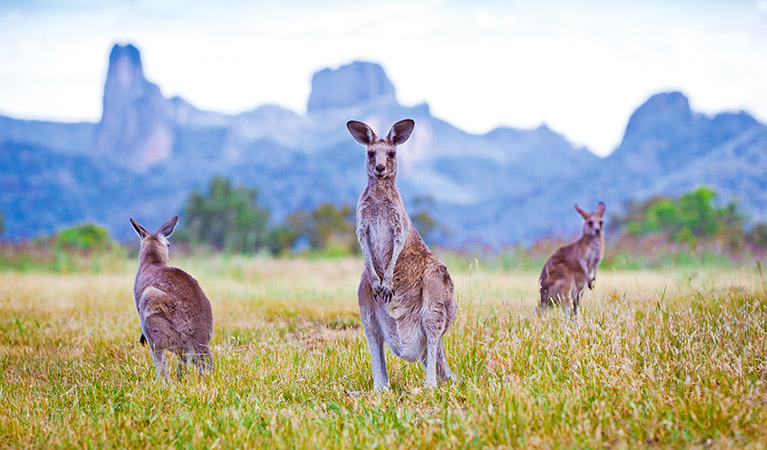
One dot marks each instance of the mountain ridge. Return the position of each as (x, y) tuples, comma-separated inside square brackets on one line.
[(505, 186)]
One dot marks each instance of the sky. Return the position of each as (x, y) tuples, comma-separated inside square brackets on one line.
[(580, 67)]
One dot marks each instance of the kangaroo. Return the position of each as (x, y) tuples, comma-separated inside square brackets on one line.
[(405, 294), (173, 311), (569, 270)]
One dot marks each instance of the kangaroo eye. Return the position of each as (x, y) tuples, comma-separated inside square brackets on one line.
[(371, 154), (391, 154)]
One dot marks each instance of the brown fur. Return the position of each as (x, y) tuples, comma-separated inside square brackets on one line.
[(405, 294), (174, 313), (569, 270)]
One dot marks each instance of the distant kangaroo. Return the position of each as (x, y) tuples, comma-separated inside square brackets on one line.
[(569, 270), (405, 294), (173, 311)]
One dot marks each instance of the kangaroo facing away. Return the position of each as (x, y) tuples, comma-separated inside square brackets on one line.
[(173, 311), (405, 294), (574, 267)]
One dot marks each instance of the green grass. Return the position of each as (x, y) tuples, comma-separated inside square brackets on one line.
[(658, 359)]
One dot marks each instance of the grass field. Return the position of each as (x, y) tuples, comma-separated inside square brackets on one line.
[(674, 358)]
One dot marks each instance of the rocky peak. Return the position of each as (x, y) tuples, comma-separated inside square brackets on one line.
[(125, 70), (135, 125), (349, 85), (661, 112)]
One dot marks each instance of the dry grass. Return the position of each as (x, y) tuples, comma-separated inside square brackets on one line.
[(658, 359)]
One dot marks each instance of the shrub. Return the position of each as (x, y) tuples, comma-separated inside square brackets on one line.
[(226, 218), (82, 248), (690, 218), (85, 238)]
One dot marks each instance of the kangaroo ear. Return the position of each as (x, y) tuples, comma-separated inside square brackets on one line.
[(400, 131), (361, 132), (167, 228), (140, 230), (583, 212), (600, 211)]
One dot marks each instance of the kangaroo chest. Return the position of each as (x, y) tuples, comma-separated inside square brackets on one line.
[(381, 235), (384, 223), (593, 254)]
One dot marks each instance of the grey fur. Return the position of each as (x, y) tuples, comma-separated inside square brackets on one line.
[(174, 313), (405, 293), (573, 267)]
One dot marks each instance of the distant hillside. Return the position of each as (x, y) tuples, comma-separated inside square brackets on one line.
[(148, 152)]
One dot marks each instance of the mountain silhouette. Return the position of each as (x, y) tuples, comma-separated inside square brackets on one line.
[(510, 185)]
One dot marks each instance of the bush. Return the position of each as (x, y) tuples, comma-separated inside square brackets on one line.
[(690, 218), (226, 218), (428, 227), (327, 229), (758, 235), (86, 238), (82, 248)]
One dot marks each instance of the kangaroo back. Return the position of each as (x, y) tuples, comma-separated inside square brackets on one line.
[(174, 312)]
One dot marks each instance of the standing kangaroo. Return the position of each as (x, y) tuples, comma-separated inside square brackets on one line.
[(569, 270), (173, 311), (405, 294)]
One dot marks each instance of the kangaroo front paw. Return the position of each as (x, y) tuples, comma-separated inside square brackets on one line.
[(387, 291), (383, 292), (375, 286), (592, 282)]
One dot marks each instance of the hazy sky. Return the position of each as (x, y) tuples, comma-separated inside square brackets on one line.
[(579, 67)]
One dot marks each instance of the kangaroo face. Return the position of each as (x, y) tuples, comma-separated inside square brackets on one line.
[(381, 153), (593, 226), (381, 160), (593, 222)]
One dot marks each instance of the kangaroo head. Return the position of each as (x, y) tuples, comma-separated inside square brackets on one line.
[(381, 153), (593, 222), (155, 246)]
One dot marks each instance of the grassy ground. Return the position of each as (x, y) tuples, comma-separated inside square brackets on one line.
[(658, 358)]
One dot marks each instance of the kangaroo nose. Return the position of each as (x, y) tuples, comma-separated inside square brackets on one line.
[(380, 168)]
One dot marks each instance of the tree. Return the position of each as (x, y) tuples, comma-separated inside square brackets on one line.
[(327, 228), (86, 238), (758, 235), (689, 218), (283, 238), (332, 227), (422, 219), (226, 218)]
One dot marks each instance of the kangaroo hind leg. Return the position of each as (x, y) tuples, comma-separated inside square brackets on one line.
[(159, 361), (373, 334), (183, 362), (435, 318), (202, 359)]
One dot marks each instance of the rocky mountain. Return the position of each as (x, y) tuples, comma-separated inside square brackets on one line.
[(509, 185), (664, 134), (135, 125), (360, 82), (669, 149)]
